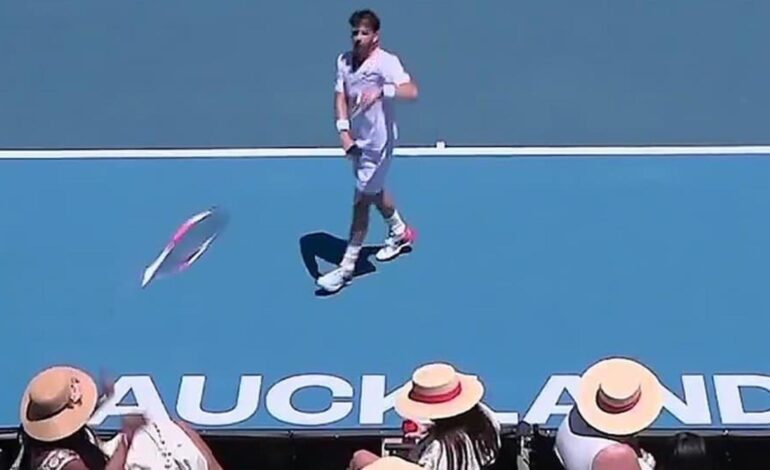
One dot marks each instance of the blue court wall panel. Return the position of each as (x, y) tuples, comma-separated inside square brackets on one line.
[(87, 73), (523, 269)]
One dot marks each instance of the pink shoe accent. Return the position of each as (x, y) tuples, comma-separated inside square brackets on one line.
[(410, 234)]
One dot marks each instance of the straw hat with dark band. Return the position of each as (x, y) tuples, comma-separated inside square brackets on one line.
[(438, 391), (57, 403), (619, 397)]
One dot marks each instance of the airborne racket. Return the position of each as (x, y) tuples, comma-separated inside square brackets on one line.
[(190, 241)]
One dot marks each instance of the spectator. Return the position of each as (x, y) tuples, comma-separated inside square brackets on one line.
[(55, 410), (618, 398), (689, 452), (461, 432)]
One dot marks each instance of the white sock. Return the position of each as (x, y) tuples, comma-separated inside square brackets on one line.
[(351, 256), (396, 224)]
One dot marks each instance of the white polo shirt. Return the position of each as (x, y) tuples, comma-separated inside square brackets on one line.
[(375, 127)]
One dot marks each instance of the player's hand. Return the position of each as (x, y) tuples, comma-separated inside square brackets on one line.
[(369, 97), (353, 151), (349, 145)]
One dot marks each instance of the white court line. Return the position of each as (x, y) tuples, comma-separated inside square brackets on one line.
[(440, 150)]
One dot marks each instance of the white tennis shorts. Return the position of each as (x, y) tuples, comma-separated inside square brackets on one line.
[(371, 169)]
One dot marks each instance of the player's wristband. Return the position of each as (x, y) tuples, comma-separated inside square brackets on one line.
[(343, 125), (389, 90)]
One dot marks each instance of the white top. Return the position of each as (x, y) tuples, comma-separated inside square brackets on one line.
[(434, 457), (162, 444), (159, 445), (374, 127), (576, 451)]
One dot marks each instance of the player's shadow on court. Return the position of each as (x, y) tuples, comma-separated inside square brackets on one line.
[(331, 249)]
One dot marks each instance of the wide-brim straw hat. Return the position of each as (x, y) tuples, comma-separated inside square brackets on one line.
[(438, 391), (619, 396), (57, 403), (392, 463)]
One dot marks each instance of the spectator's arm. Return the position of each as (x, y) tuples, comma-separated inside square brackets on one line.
[(118, 459), (201, 445), (616, 457)]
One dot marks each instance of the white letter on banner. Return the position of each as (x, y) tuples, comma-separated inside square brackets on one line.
[(190, 403), (694, 409), (375, 402), (728, 392), (278, 400), (148, 400), (547, 402)]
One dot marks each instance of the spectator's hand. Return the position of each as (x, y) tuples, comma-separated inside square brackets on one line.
[(131, 424), (106, 384), (415, 430)]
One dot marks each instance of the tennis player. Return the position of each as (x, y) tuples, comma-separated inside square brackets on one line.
[(369, 79)]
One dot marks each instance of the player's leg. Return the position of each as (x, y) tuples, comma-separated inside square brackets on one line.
[(387, 207), (400, 235), (367, 186), (359, 227)]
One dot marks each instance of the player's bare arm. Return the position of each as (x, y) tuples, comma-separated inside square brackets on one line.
[(406, 91), (343, 124)]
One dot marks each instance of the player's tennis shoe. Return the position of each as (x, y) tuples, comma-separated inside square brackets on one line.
[(335, 280), (396, 244)]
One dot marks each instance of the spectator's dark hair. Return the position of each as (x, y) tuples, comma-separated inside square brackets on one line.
[(368, 17), (452, 432), (688, 452)]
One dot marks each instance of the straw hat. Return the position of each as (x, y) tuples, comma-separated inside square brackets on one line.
[(438, 391), (619, 396), (392, 463), (57, 402)]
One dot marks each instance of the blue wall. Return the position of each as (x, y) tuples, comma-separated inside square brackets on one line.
[(88, 73)]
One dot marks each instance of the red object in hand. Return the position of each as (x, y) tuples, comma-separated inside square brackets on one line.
[(409, 426)]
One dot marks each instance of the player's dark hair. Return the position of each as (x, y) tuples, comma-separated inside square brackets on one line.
[(367, 17)]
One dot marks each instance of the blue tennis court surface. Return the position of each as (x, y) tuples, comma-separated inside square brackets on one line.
[(526, 268)]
